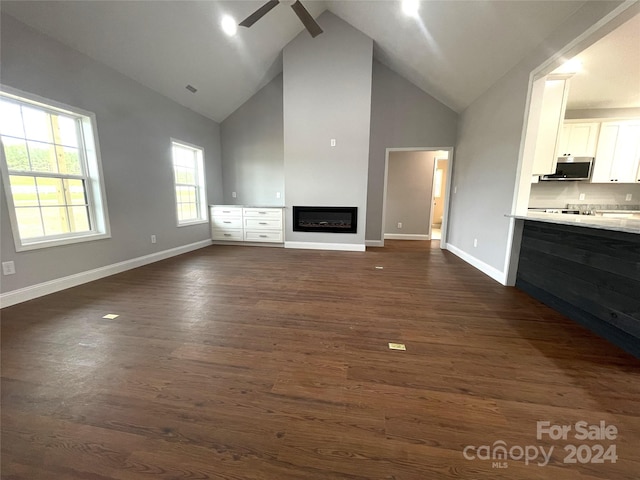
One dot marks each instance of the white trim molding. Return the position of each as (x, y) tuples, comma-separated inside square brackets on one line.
[(346, 247), (493, 272), (41, 289), (374, 243), (406, 236)]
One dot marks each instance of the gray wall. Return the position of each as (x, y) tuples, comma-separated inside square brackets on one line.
[(135, 125), (327, 94), (252, 149), (402, 115), (486, 157), (409, 192), (559, 194)]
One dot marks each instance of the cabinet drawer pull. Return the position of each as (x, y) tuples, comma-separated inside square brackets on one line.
[(262, 213), (226, 221), (263, 236), (226, 211), (263, 223), (227, 234)]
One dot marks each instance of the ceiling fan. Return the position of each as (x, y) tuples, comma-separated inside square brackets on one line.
[(303, 14)]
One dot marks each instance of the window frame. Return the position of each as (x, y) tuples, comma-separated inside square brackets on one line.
[(89, 152), (201, 187)]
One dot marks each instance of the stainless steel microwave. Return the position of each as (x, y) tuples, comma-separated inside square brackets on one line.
[(572, 168)]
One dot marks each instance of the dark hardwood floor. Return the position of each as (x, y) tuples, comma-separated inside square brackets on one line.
[(263, 363)]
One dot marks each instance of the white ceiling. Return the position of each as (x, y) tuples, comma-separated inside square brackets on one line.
[(610, 76), (454, 51)]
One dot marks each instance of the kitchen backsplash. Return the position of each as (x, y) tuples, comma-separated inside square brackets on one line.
[(561, 194)]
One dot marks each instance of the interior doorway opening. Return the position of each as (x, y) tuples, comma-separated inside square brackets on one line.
[(416, 194)]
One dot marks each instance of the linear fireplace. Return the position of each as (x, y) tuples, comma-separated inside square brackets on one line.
[(325, 219)]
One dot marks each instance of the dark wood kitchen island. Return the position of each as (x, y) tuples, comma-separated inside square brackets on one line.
[(587, 268)]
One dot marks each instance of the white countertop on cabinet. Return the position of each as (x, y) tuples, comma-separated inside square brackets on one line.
[(247, 206)]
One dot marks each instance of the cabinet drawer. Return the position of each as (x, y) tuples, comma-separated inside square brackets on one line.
[(263, 223), (263, 212), (221, 211), (226, 222), (231, 234), (273, 236)]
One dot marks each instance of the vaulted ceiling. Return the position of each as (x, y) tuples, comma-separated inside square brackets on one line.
[(454, 50)]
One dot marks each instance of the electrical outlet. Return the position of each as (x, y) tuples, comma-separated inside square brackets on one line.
[(333, 142), (475, 242), (277, 194), (628, 197), (581, 196), (8, 268), (153, 239), (399, 224), (233, 194)]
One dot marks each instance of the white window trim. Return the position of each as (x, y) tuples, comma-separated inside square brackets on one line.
[(99, 212), (203, 175)]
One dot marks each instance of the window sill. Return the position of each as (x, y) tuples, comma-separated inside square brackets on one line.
[(58, 242), (195, 222)]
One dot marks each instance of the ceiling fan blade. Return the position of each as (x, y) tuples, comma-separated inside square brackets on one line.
[(307, 20), (258, 14)]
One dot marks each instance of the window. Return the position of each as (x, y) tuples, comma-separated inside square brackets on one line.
[(188, 171), (51, 172)]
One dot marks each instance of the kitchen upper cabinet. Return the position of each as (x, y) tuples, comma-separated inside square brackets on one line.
[(578, 139), (618, 153), (551, 115)]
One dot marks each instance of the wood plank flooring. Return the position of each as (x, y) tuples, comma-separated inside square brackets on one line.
[(246, 363)]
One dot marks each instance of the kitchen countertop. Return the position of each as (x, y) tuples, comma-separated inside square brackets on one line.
[(628, 225)]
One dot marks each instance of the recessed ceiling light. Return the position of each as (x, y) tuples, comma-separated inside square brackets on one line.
[(411, 7), (229, 25)]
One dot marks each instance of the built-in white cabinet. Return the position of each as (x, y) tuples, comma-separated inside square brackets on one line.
[(618, 153), (551, 115), (247, 224), (226, 223), (578, 139), (263, 225)]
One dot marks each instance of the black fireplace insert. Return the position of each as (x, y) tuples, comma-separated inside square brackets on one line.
[(325, 219)]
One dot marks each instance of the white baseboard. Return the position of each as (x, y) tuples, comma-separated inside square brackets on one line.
[(374, 243), (34, 291), (347, 247), (405, 236), (493, 272)]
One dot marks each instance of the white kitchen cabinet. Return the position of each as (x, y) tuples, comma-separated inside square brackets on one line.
[(578, 139), (551, 115), (247, 224), (618, 153)]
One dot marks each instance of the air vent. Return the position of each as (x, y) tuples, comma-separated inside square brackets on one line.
[(191, 88)]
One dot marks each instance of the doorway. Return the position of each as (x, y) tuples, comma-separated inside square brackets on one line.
[(440, 168), (416, 194)]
